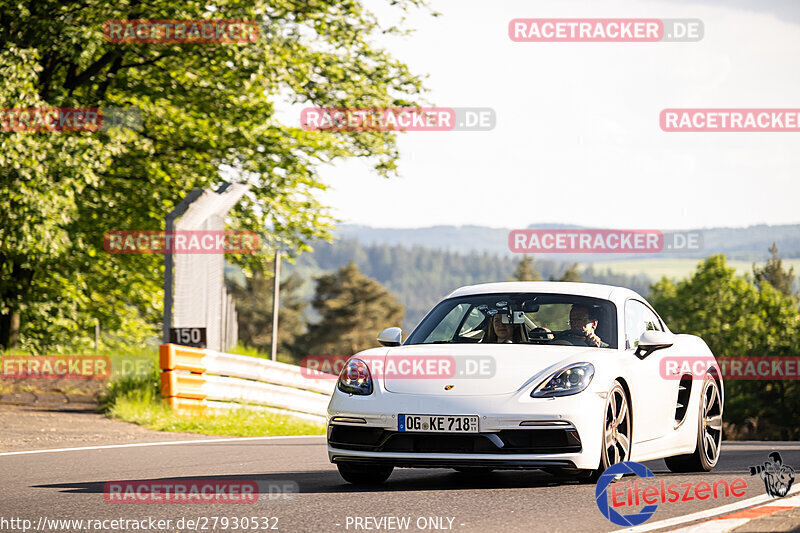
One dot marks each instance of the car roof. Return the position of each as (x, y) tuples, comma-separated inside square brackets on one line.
[(594, 290)]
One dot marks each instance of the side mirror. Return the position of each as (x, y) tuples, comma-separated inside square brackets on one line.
[(390, 337), (652, 340)]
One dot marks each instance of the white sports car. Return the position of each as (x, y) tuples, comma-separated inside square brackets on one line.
[(565, 377)]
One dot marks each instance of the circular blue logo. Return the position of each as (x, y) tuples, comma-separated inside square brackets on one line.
[(633, 519)]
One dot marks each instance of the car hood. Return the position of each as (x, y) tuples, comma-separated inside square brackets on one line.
[(473, 369)]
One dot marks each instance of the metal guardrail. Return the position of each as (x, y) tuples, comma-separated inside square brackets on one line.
[(195, 381)]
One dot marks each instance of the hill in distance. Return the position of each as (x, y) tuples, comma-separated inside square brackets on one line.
[(745, 244), (422, 265)]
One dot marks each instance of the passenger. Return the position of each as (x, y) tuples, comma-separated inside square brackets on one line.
[(500, 332), (583, 322)]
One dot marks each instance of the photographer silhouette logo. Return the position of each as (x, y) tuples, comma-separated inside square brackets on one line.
[(778, 477)]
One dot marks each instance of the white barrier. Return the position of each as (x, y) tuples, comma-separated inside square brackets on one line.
[(197, 380)]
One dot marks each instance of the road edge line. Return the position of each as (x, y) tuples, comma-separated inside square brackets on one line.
[(163, 443), (732, 521)]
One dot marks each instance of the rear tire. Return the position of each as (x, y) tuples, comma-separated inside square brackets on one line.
[(364, 473), (709, 433)]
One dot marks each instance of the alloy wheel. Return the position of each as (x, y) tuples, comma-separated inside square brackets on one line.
[(712, 421), (617, 427)]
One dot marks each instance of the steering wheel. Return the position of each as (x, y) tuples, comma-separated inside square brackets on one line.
[(540, 333), (573, 335)]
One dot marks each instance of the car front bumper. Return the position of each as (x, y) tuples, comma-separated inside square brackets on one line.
[(515, 431)]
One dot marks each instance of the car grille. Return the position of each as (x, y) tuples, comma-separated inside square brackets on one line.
[(508, 441)]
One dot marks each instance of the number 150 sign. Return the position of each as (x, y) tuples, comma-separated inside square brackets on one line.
[(195, 337)]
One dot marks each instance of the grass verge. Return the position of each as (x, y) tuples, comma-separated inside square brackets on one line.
[(137, 399), (240, 422)]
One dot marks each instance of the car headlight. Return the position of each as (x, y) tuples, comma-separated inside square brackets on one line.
[(568, 380), (355, 378)]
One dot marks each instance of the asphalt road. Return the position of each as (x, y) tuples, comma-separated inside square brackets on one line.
[(70, 485)]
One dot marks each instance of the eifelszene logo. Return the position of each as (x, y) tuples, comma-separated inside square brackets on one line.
[(778, 477), (649, 494), (600, 494)]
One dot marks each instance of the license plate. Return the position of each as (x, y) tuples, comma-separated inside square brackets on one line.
[(438, 423)]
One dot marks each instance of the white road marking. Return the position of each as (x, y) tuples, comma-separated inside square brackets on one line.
[(165, 443), (794, 501), (707, 513), (722, 525), (757, 446), (713, 526)]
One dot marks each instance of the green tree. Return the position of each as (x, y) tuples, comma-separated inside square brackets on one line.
[(407, 273), (353, 309), (774, 274), (737, 318), (207, 111), (254, 303), (572, 273), (525, 270)]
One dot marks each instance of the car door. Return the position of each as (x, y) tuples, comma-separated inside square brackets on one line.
[(654, 395)]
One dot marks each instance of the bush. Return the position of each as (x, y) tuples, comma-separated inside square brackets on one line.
[(141, 388)]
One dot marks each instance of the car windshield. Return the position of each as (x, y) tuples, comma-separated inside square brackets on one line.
[(520, 318)]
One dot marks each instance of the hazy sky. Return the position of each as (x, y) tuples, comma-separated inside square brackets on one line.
[(577, 138)]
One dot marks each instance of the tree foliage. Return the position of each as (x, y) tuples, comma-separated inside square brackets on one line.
[(420, 276), (353, 309), (525, 270), (774, 274), (254, 301), (738, 318), (572, 273), (206, 109)]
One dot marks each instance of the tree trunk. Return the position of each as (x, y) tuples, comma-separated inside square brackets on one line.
[(13, 331), (9, 331), (13, 293)]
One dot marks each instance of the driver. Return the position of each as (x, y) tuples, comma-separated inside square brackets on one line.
[(583, 322)]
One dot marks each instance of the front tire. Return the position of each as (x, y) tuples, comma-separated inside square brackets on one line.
[(616, 428), (364, 473), (617, 434), (709, 433)]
